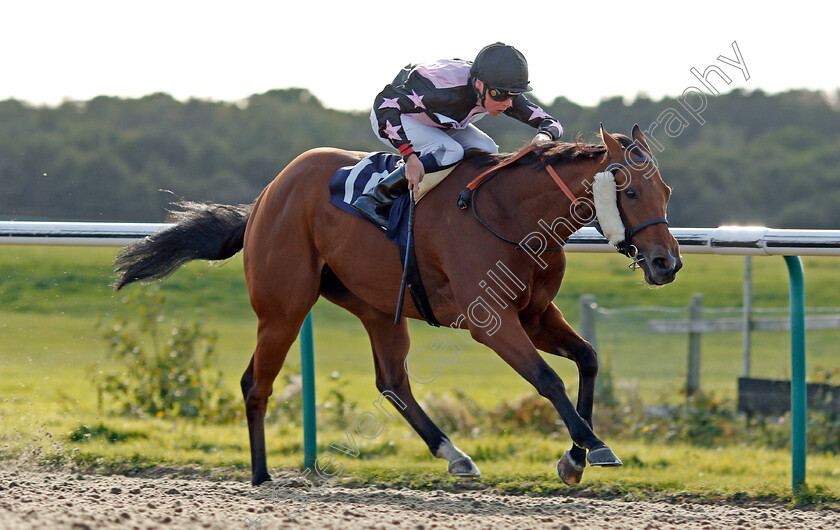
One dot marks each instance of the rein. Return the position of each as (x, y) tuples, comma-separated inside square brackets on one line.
[(468, 197), (464, 196)]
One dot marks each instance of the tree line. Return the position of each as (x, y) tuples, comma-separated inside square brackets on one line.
[(747, 158)]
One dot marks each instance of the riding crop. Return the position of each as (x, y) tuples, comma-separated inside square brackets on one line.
[(408, 244)]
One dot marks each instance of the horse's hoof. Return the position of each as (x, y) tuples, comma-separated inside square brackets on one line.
[(602, 456), (259, 479), (463, 467), (570, 472)]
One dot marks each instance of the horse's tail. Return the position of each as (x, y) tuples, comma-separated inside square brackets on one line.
[(202, 231)]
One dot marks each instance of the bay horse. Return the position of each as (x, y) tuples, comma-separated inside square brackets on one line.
[(297, 247)]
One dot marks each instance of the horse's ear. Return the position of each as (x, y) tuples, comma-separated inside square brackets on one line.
[(612, 144), (640, 138)]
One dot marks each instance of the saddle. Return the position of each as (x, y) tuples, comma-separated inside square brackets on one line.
[(350, 182)]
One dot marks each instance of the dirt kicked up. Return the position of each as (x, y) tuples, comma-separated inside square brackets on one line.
[(61, 499)]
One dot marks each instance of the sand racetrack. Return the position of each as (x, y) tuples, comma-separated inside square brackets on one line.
[(63, 499)]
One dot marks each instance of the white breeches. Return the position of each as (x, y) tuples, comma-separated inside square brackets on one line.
[(448, 145)]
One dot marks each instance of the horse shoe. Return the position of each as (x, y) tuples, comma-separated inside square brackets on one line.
[(463, 467)]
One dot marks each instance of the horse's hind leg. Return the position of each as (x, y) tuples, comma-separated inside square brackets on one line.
[(283, 287), (274, 338), (552, 334)]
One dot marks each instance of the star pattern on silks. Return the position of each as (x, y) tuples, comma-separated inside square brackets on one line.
[(392, 130), (417, 100), (389, 103), (537, 112)]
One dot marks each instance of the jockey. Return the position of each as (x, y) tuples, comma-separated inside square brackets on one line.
[(427, 114)]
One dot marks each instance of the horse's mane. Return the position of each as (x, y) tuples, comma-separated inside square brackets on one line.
[(550, 153)]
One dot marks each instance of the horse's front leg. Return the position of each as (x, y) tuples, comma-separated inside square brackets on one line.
[(550, 333), (511, 342)]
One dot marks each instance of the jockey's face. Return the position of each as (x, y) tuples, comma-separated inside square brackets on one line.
[(494, 108)]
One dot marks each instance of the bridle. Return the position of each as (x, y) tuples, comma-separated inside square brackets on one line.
[(468, 197), (626, 246)]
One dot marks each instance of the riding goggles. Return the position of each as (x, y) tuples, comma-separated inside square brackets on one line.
[(501, 95)]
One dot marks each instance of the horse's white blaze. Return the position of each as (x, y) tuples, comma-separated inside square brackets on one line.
[(606, 207), (448, 451)]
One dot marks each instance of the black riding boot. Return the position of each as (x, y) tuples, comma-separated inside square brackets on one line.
[(376, 203)]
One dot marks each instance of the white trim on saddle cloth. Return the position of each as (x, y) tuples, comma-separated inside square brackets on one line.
[(605, 196), (430, 180), (350, 182)]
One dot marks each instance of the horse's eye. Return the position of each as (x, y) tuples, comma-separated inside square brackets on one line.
[(631, 193)]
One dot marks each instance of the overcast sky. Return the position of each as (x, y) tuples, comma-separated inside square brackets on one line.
[(345, 52)]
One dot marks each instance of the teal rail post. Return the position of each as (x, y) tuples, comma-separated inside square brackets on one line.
[(798, 389), (307, 373)]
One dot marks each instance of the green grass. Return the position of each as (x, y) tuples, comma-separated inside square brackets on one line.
[(51, 299), (515, 463), (527, 466)]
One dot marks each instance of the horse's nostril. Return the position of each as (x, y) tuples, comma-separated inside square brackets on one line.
[(663, 264)]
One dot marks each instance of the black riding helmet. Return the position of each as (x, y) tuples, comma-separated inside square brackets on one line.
[(501, 66)]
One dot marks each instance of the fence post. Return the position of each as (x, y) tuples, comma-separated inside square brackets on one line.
[(695, 316), (587, 319), (747, 314), (307, 373), (798, 387)]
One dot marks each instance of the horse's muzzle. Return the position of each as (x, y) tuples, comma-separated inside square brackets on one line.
[(661, 267)]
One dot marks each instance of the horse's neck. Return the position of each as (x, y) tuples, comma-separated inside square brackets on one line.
[(540, 203)]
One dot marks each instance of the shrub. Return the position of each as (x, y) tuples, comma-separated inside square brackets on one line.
[(531, 412), (703, 420), (336, 412), (84, 433), (166, 367), (457, 413)]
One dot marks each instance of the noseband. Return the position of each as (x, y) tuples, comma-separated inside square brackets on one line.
[(626, 246)]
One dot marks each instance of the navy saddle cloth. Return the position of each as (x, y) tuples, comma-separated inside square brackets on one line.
[(350, 182)]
